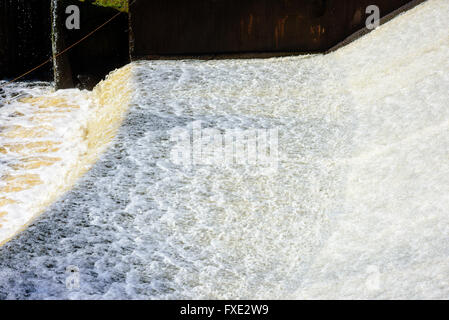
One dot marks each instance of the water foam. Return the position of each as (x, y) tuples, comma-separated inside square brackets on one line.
[(48, 140), (356, 209)]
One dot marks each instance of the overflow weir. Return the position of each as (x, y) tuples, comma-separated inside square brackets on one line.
[(156, 184)]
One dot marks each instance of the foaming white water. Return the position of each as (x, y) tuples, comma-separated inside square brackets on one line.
[(356, 209), (392, 241), (47, 141), (36, 148)]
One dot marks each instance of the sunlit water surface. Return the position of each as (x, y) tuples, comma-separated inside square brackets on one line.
[(356, 208)]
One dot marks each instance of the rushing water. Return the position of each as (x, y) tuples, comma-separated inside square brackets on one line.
[(356, 205)]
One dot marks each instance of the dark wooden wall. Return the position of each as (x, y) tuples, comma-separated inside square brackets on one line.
[(180, 27), (171, 27)]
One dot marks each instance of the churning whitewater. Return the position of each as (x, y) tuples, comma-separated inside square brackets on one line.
[(356, 206)]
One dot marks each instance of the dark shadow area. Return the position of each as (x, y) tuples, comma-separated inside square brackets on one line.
[(105, 50), (25, 40)]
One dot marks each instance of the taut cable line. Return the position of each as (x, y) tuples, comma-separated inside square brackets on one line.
[(66, 49)]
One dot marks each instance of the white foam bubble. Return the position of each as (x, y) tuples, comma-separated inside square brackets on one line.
[(356, 208)]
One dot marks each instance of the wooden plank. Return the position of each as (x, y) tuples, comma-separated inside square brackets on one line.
[(177, 27)]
